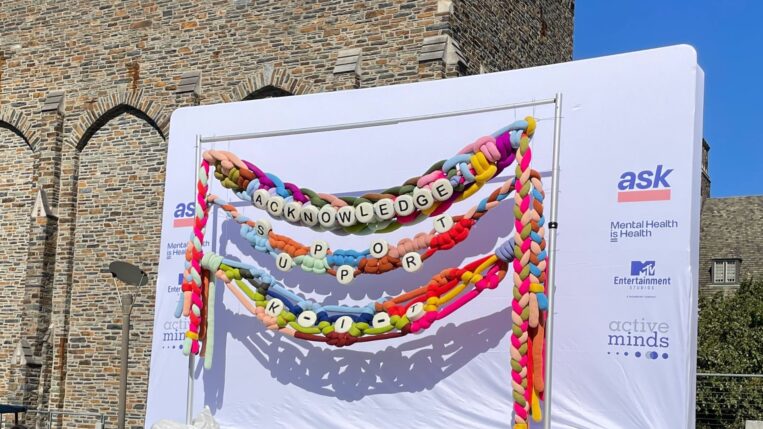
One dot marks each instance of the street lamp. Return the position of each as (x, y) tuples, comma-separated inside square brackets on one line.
[(131, 275)]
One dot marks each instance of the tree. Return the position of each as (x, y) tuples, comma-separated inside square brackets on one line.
[(730, 342)]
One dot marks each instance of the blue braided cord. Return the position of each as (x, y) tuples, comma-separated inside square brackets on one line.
[(253, 186), (535, 270), (509, 127), (536, 194), (542, 301), (536, 237), (456, 159), (280, 188), (520, 125), (287, 293), (542, 255), (346, 257), (286, 302), (464, 169), (514, 138)]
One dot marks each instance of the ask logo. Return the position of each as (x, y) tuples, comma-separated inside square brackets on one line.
[(645, 185), (183, 215)]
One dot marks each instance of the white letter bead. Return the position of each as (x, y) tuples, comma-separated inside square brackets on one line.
[(415, 312), (443, 223), (262, 228), (346, 216), (404, 205), (412, 262), (292, 211), (309, 215), (284, 262), (379, 248), (319, 249), (273, 307), (307, 319), (380, 320), (327, 216), (364, 212), (345, 274), (442, 189), (260, 198), (422, 198), (343, 324), (275, 205), (384, 209)]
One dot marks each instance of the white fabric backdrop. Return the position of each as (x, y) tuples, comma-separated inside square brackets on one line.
[(624, 354)]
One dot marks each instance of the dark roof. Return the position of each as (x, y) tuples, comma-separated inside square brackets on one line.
[(732, 227)]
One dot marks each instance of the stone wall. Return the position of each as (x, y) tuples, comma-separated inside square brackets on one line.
[(86, 92)]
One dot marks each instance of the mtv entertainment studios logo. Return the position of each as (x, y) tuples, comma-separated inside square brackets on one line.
[(642, 278), (645, 185), (638, 339), (639, 229)]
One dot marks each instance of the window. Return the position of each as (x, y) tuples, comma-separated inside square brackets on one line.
[(725, 271)]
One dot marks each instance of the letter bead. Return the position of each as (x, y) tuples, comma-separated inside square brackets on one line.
[(260, 198), (343, 324), (379, 248), (273, 307), (412, 262), (307, 319), (309, 215), (364, 212), (284, 261), (415, 312), (262, 228), (346, 216), (319, 249), (422, 198), (384, 209), (404, 205), (443, 223), (345, 274), (380, 320), (292, 211), (327, 216), (275, 205), (442, 189)]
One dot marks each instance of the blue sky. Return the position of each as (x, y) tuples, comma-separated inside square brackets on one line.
[(728, 37)]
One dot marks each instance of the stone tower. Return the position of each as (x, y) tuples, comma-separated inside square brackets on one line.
[(86, 93)]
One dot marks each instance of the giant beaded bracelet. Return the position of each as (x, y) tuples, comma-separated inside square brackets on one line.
[(379, 258), (528, 303), (409, 312), (446, 182)]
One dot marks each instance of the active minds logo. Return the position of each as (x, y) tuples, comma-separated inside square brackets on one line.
[(183, 215), (646, 185), (638, 339)]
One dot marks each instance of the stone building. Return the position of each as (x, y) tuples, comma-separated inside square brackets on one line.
[(86, 93), (731, 238)]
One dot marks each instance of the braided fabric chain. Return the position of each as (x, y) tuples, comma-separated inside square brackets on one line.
[(346, 265), (431, 194), (282, 310), (458, 178), (192, 283), (529, 298)]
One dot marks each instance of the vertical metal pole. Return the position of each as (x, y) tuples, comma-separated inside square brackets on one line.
[(127, 300), (552, 226), (189, 388)]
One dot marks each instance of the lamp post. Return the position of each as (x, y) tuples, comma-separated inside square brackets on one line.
[(131, 275)]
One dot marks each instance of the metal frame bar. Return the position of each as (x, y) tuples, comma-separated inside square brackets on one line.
[(551, 287), (556, 101)]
